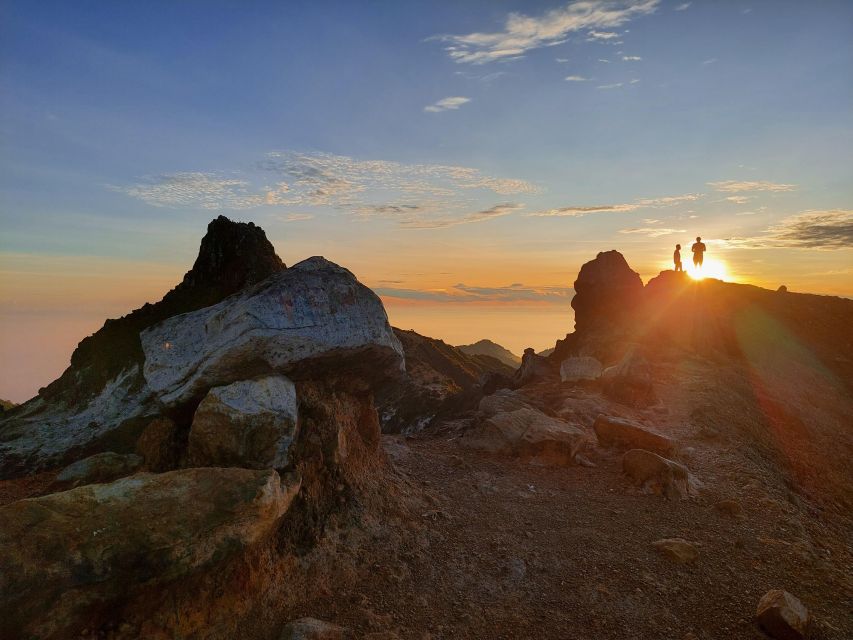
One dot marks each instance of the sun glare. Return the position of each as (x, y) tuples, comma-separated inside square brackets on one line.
[(710, 269)]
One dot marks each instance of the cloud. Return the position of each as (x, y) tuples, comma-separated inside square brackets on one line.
[(562, 60), (194, 189), (737, 186), (645, 203), (604, 60), (631, 58), (513, 293), (602, 35), (709, 61), (576, 79), (739, 199), (634, 81), (822, 230), (447, 104), (682, 7), (296, 217), (415, 195), (615, 85), (652, 232), (522, 33)]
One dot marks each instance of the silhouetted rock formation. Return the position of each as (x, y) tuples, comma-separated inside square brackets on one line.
[(492, 349)]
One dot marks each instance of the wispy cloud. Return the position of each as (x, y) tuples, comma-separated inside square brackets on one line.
[(682, 7), (645, 203), (297, 217), (576, 79), (709, 61), (513, 293), (447, 104), (614, 85), (737, 186), (602, 36), (414, 195), (739, 199), (652, 232), (822, 230), (631, 58), (522, 33)]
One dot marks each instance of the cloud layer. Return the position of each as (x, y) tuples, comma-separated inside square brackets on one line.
[(522, 33), (646, 203), (822, 230), (463, 293), (447, 104)]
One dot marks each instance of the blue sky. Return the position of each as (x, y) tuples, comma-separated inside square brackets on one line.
[(425, 145)]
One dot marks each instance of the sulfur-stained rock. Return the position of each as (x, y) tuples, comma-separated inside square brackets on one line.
[(783, 616), (101, 467), (659, 475), (622, 433), (245, 424), (69, 557), (291, 324)]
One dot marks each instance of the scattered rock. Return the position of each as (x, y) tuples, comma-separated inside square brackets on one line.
[(783, 616), (730, 507), (622, 433), (677, 549), (101, 467), (245, 424), (69, 557), (314, 629), (533, 367), (291, 323), (630, 381), (158, 445), (511, 427), (659, 475), (580, 368)]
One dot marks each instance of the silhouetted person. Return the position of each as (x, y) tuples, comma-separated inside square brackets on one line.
[(676, 258), (698, 249)]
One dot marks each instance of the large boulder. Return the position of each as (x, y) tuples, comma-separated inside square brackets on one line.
[(659, 475), (69, 558), (101, 467), (159, 445), (101, 402), (533, 367), (293, 323), (783, 616), (250, 424), (626, 434), (512, 427), (607, 293)]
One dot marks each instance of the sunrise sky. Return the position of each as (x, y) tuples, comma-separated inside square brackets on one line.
[(461, 158)]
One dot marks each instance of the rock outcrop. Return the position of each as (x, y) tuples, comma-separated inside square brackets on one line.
[(533, 367), (71, 557), (159, 445), (101, 402), (293, 323), (580, 368), (630, 382)]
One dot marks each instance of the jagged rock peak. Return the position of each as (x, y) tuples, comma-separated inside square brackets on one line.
[(606, 291), (232, 255)]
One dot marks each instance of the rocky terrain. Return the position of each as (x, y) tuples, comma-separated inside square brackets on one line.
[(265, 457)]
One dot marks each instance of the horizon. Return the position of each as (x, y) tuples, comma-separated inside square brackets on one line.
[(462, 161)]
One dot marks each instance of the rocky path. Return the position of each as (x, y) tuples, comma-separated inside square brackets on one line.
[(509, 550)]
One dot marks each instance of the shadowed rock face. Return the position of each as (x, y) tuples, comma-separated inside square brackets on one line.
[(607, 292)]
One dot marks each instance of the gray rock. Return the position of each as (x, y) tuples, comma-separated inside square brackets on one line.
[(656, 474), (101, 467), (289, 323), (245, 424), (580, 368)]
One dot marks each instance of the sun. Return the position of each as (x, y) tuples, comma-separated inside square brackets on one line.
[(710, 269)]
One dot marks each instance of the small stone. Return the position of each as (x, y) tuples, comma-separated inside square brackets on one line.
[(314, 629), (783, 616), (677, 549), (730, 507)]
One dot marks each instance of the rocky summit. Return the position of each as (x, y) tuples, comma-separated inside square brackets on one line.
[(261, 455)]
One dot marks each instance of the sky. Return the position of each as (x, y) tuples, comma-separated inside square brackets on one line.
[(462, 158)]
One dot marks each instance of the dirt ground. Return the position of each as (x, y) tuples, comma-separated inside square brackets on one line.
[(499, 548)]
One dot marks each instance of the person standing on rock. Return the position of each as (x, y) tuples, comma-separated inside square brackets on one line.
[(676, 258), (698, 249)]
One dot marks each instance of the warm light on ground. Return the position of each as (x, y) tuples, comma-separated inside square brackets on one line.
[(710, 269)]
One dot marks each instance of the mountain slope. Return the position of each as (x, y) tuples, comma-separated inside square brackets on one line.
[(491, 349)]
